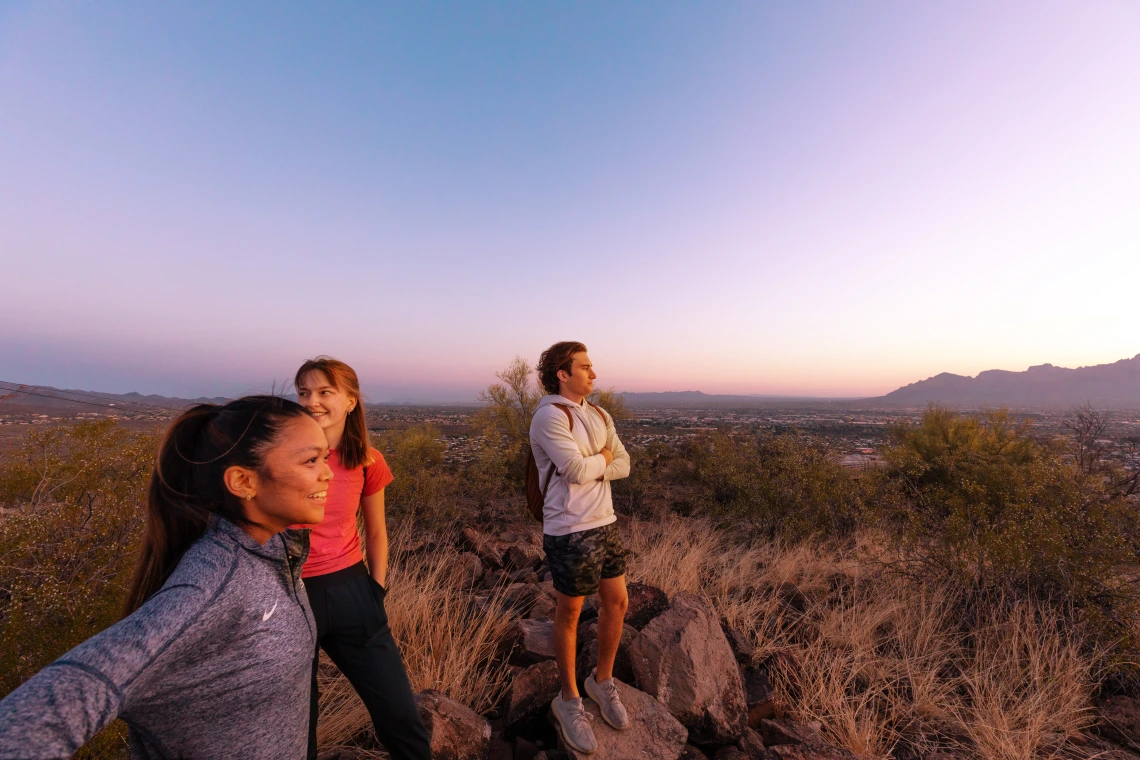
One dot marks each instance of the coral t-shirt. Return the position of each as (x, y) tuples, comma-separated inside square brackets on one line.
[(335, 543)]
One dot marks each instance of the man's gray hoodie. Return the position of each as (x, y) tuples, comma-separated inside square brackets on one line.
[(216, 664)]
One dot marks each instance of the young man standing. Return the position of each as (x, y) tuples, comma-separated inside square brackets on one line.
[(578, 453)]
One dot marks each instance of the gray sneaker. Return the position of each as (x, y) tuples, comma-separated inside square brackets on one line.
[(574, 723), (605, 695)]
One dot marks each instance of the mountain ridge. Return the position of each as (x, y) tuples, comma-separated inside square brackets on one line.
[(1045, 385)]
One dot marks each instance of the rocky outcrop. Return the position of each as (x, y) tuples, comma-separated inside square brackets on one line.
[(775, 732), (751, 744), (456, 731), (684, 660), (531, 691), (786, 740), (645, 603), (653, 735), (533, 642), (588, 652), (759, 696)]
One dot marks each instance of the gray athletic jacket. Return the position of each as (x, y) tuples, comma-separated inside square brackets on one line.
[(216, 664)]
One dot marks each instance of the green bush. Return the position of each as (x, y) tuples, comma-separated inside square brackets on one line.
[(422, 488), (68, 541), (787, 486), (979, 498)]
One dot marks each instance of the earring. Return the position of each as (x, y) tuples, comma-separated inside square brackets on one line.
[(248, 496)]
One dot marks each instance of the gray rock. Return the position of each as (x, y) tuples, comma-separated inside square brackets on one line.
[(522, 557), (467, 568), (683, 659), (654, 734), (742, 646), (759, 697), (534, 642), (729, 753), (531, 692), (457, 732), (751, 745), (645, 603), (775, 732), (588, 652)]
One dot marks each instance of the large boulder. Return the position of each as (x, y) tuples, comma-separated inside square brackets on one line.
[(653, 734), (588, 652), (533, 642), (531, 692), (683, 659), (457, 732), (645, 603)]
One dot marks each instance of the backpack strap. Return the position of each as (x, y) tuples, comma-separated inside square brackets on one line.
[(569, 416), (598, 409)]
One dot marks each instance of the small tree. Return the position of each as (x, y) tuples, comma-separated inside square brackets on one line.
[(612, 401), (511, 402)]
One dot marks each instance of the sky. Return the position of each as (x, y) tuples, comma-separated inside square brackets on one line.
[(811, 198)]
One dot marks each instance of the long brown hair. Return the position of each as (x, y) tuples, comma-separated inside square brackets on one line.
[(353, 448), (187, 485)]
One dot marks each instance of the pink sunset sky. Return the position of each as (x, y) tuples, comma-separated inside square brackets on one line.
[(826, 199)]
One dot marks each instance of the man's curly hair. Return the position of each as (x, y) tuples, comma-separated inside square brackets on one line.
[(560, 356)]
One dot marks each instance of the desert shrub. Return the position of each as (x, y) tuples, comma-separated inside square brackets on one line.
[(979, 499), (422, 486), (68, 541), (788, 486)]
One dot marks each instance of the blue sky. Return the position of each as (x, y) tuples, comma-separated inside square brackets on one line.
[(809, 198)]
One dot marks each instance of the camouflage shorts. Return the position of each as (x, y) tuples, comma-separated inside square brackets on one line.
[(579, 561)]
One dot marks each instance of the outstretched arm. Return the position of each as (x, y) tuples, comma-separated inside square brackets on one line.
[(57, 710)]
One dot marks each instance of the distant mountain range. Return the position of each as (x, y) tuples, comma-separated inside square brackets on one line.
[(699, 398), (1116, 385), (72, 400), (1111, 385)]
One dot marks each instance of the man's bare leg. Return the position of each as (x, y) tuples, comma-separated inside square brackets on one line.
[(566, 641), (611, 618)]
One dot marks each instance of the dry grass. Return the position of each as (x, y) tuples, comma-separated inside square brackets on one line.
[(879, 659), (447, 643)]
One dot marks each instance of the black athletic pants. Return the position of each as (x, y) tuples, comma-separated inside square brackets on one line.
[(352, 628)]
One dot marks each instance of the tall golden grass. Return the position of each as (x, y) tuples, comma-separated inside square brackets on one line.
[(878, 658), (447, 640)]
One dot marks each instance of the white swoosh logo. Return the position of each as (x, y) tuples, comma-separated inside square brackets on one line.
[(269, 614)]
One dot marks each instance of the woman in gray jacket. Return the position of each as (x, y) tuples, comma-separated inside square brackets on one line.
[(213, 657)]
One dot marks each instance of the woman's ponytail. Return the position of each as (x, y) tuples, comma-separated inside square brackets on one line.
[(187, 486)]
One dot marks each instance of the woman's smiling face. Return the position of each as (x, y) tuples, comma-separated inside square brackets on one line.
[(328, 404), (291, 486)]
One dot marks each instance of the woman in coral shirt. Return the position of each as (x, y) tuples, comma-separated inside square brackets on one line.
[(346, 595)]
